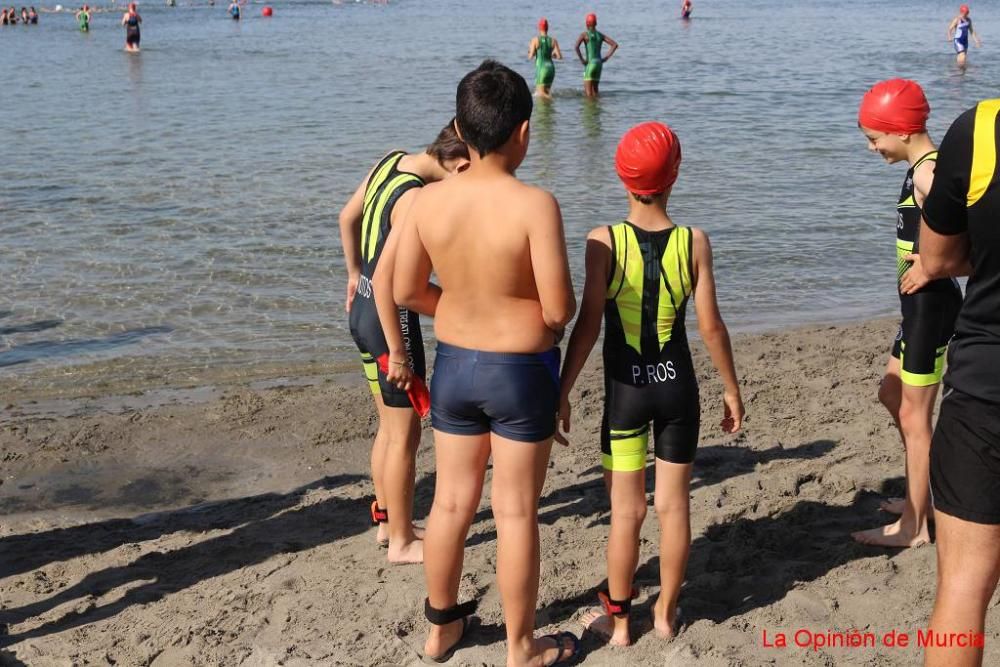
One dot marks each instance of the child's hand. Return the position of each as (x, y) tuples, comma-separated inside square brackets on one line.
[(352, 288), (914, 279), (734, 413), (398, 372), (562, 420)]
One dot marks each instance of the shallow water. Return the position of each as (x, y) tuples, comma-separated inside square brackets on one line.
[(175, 209)]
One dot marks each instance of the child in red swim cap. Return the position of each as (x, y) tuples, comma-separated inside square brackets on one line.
[(648, 372), (959, 31), (893, 117), (542, 50), (594, 62)]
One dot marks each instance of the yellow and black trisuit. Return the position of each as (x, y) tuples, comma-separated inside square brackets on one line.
[(928, 315), (385, 186), (648, 373)]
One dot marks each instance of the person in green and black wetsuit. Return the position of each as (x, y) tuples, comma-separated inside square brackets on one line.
[(594, 62), (542, 50), (893, 117), (83, 17), (641, 274), (366, 223)]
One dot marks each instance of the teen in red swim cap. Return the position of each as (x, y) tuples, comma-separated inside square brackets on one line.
[(959, 31), (594, 41), (648, 372), (896, 106), (542, 50), (893, 117), (591, 20), (648, 158)]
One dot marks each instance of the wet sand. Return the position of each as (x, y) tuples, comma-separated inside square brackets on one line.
[(229, 525)]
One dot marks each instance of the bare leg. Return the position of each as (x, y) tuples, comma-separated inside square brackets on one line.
[(672, 503), (890, 394), (543, 92), (968, 569), (910, 530), (961, 59), (461, 466), (588, 89), (628, 510), (379, 448), (596, 88), (402, 428)]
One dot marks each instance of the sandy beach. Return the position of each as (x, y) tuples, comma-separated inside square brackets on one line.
[(229, 525)]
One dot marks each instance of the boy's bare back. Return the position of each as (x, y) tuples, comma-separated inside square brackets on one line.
[(498, 250)]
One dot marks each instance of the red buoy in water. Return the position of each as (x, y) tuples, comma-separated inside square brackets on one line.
[(267, 11)]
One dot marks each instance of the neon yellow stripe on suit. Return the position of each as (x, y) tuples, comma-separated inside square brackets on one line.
[(984, 150), (379, 208)]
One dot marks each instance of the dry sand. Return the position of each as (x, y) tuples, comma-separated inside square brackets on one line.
[(233, 530)]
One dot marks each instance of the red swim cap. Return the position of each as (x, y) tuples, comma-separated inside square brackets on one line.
[(964, 9), (543, 24), (896, 106), (648, 158), (591, 20)]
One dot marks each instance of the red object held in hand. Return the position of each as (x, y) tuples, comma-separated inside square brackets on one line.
[(420, 397)]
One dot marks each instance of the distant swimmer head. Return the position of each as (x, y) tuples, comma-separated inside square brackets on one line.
[(543, 25), (648, 159), (591, 20), (964, 10), (131, 7), (896, 106)]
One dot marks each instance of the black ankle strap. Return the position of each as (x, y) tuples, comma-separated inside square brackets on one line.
[(617, 608), (446, 616)]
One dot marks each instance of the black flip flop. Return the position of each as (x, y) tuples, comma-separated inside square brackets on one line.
[(558, 639), (468, 623)]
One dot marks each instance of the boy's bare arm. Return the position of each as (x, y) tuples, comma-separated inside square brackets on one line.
[(714, 332), (588, 325), (411, 285), (547, 245)]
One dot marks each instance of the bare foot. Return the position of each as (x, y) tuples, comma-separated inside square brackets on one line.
[(382, 536), (892, 535), (408, 553), (555, 649), (893, 505), (596, 621), (443, 638), (666, 622)]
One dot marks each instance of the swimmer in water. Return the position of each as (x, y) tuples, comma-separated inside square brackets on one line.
[(958, 33), (686, 9), (131, 20), (893, 117), (542, 50), (83, 18), (594, 62), (234, 10), (33, 16)]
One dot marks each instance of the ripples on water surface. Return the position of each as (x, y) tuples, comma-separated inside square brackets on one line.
[(176, 209)]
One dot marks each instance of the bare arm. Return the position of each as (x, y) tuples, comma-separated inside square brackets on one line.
[(613, 44), (350, 239), (547, 246), (388, 313), (579, 42), (979, 42), (532, 47), (951, 28), (556, 52), (588, 325), (714, 332), (943, 255), (411, 281)]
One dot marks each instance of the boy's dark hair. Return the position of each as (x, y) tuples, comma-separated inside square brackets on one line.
[(492, 102), (448, 145)]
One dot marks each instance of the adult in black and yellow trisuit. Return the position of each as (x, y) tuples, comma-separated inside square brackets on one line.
[(365, 224), (641, 273), (893, 117), (961, 236)]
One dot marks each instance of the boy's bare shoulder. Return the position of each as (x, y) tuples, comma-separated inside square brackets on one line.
[(600, 234)]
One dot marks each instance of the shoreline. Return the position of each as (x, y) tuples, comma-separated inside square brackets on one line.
[(231, 531)]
